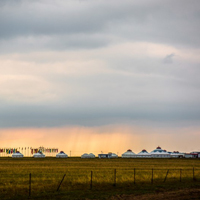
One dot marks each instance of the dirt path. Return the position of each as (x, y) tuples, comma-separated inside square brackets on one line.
[(186, 194)]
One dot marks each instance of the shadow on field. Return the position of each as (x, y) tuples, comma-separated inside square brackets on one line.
[(126, 190)]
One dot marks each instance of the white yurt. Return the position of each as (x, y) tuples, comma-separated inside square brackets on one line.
[(176, 154), (128, 154), (144, 154), (17, 155), (85, 155), (39, 155), (90, 155), (160, 153), (112, 155), (61, 155)]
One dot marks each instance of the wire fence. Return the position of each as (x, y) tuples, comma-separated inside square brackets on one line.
[(36, 183)]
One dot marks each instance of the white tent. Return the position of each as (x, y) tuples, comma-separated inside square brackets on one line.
[(85, 155), (39, 155), (61, 155), (91, 155), (176, 154), (160, 153), (17, 155), (128, 154), (112, 155), (144, 154)]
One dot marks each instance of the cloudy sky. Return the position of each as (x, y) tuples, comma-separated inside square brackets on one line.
[(86, 75)]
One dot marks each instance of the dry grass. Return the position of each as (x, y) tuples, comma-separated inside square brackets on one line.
[(48, 172)]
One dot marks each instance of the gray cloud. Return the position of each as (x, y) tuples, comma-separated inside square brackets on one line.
[(110, 98), (170, 114), (173, 23), (168, 59), (99, 62)]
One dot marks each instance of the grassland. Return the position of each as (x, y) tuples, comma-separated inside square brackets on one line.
[(47, 173)]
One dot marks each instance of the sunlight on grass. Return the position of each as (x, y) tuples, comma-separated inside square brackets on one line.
[(46, 174)]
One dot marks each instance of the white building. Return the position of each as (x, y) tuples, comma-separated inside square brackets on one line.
[(144, 154), (195, 154), (61, 155), (108, 155), (129, 154), (39, 155), (160, 153), (17, 155), (90, 155)]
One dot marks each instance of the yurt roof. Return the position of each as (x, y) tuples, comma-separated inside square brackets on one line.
[(38, 153), (17, 154), (112, 154), (85, 154), (176, 153), (62, 153), (144, 152), (159, 150), (128, 152)]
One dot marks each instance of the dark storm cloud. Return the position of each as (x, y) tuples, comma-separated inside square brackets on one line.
[(140, 114), (173, 23)]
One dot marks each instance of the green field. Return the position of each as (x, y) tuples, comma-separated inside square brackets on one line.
[(110, 177)]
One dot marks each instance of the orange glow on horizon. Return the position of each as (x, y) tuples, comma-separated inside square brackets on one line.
[(115, 139)]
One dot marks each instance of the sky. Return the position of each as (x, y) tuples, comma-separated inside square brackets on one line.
[(105, 75)]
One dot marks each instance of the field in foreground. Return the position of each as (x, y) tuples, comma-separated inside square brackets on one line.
[(109, 179)]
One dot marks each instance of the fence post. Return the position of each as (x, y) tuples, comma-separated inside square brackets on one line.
[(29, 184), (180, 174), (166, 175), (152, 177), (193, 175), (61, 182), (91, 181), (114, 177), (134, 175)]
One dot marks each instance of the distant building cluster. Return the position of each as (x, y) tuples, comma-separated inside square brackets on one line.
[(160, 153), (28, 151), (156, 153)]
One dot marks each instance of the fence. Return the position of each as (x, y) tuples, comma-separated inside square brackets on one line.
[(98, 179)]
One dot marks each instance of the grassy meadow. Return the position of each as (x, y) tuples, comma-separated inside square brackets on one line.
[(109, 177)]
